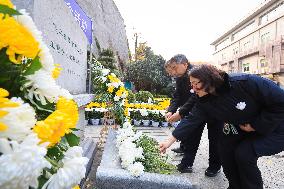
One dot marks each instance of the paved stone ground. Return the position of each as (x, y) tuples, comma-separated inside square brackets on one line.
[(272, 167)]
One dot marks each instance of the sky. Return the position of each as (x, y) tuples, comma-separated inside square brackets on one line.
[(182, 26)]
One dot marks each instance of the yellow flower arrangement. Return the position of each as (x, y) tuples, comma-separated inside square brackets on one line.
[(17, 40), (5, 103), (59, 123)]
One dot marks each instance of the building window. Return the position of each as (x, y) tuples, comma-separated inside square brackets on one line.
[(264, 37), (246, 67), (246, 45), (272, 13), (245, 30), (236, 50), (223, 44)]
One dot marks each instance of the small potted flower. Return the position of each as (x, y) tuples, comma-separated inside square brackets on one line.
[(136, 117), (95, 117), (145, 117), (155, 115)]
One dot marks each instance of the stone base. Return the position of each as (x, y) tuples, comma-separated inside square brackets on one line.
[(111, 175), (89, 150)]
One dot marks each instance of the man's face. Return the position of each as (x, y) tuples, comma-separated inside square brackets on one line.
[(176, 70)]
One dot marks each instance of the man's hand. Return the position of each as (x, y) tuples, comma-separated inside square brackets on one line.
[(247, 127), (166, 144), (175, 117), (168, 115)]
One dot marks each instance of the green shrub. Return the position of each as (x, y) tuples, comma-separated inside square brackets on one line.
[(143, 96), (131, 97)]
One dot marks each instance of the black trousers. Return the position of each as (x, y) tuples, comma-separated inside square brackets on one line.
[(239, 154), (191, 145)]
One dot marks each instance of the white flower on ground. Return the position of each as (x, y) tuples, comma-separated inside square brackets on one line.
[(105, 72), (20, 121), (22, 163), (41, 85), (124, 95), (72, 171), (136, 169), (241, 105), (191, 90), (127, 124)]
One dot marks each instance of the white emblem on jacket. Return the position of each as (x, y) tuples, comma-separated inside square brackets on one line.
[(241, 105)]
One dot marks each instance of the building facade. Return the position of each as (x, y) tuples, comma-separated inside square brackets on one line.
[(256, 44)]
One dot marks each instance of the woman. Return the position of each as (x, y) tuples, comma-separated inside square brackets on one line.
[(253, 110)]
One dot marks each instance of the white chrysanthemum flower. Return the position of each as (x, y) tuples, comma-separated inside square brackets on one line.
[(72, 171), (127, 124), (115, 84), (143, 112), (20, 121), (136, 169), (191, 91), (22, 164), (105, 72), (41, 85), (116, 98), (103, 79), (241, 105)]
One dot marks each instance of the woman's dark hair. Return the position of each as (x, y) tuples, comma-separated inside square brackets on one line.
[(210, 76)]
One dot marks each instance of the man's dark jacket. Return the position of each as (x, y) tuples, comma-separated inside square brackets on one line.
[(183, 98)]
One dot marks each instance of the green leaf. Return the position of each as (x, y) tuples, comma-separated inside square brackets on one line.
[(55, 153), (7, 10), (35, 66), (41, 181), (72, 139), (75, 129)]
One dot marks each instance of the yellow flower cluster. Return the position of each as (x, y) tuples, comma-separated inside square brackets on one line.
[(59, 123), (7, 3), (121, 91), (113, 78), (160, 106), (96, 104), (110, 89), (76, 187), (17, 39), (56, 71), (5, 103)]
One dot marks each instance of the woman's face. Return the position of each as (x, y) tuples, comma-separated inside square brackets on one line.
[(196, 85)]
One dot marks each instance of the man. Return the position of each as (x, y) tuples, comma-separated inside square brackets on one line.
[(181, 104)]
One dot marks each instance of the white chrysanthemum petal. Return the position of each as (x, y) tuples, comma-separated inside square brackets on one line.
[(21, 167), (20, 121)]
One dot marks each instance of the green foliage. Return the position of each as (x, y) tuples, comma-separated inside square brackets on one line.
[(135, 114), (153, 162), (9, 11), (143, 96), (148, 73), (72, 139), (94, 114), (157, 117), (131, 97), (107, 59)]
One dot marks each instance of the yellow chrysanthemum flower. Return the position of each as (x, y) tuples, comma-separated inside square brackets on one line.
[(17, 39), (59, 123), (56, 71), (110, 89), (7, 3), (5, 103), (76, 187)]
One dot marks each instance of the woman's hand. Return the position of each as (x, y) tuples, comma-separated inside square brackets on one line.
[(175, 117), (168, 115), (166, 144), (247, 127)]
